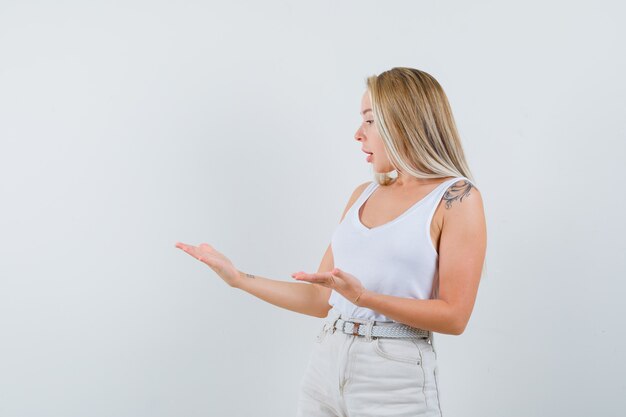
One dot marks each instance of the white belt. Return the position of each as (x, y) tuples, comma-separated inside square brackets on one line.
[(386, 330)]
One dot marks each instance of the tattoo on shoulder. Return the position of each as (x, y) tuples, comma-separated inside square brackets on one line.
[(456, 192)]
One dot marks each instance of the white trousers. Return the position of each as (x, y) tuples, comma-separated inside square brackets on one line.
[(361, 376)]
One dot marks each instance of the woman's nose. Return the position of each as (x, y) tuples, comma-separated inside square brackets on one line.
[(358, 135)]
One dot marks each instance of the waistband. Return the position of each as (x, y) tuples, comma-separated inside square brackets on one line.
[(361, 327)]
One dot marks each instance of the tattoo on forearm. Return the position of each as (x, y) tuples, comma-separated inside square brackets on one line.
[(250, 275), (457, 192)]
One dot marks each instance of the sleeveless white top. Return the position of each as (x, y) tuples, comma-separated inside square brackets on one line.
[(396, 258)]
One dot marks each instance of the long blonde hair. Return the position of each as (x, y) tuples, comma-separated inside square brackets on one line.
[(416, 124)]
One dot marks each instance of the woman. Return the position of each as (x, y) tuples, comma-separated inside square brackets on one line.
[(404, 262)]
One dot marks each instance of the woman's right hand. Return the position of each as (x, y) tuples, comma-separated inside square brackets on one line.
[(215, 260)]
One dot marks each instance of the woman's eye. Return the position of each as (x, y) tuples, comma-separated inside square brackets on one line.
[(369, 121)]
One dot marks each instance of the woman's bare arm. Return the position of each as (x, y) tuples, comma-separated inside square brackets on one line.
[(462, 250), (295, 296), (305, 298)]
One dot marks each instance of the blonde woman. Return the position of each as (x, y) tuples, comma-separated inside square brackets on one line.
[(404, 262)]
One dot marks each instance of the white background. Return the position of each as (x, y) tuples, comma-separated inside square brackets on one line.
[(126, 126)]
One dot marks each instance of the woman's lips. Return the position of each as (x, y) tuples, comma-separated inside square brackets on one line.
[(369, 157)]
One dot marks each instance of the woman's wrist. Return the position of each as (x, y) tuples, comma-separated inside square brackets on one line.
[(243, 276), (358, 301)]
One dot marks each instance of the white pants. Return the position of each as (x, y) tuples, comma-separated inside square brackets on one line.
[(361, 376)]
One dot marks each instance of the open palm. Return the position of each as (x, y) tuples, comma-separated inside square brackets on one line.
[(214, 259)]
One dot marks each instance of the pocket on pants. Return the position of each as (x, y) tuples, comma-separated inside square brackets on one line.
[(398, 349)]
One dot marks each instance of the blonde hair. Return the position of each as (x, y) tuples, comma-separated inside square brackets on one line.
[(415, 122)]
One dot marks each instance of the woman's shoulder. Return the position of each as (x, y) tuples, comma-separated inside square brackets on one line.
[(461, 188), (358, 191), (362, 187), (463, 201)]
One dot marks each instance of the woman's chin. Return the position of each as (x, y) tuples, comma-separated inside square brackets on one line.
[(382, 170)]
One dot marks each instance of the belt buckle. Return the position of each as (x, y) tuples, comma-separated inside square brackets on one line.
[(355, 329)]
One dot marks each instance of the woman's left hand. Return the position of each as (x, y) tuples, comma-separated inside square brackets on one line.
[(345, 284)]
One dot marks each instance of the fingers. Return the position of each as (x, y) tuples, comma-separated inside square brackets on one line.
[(186, 248), (301, 274), (203, 246), (191, 250), (318, 278)]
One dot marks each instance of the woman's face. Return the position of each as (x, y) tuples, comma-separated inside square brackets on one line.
[(370, 138)]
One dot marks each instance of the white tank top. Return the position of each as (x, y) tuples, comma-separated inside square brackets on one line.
[(396, 258)]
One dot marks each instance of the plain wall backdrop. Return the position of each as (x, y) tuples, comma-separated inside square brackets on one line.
[(126, 126)]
